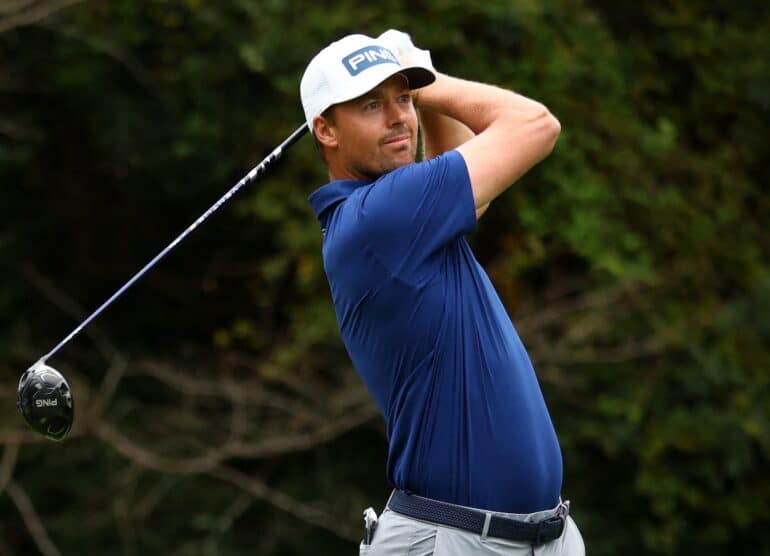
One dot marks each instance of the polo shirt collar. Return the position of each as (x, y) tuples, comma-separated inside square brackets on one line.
[(332, 193)]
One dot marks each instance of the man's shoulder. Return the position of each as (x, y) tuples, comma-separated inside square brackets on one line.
[(398, 187), (449, 161)]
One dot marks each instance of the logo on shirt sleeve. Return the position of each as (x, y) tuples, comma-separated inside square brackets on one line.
[(366, 57)]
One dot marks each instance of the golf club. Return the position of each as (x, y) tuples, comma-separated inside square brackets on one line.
[(44, 395)]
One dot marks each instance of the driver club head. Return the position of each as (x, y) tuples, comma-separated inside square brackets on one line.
[(45, 401)]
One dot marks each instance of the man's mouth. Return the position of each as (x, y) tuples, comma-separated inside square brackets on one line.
[(397, 140)]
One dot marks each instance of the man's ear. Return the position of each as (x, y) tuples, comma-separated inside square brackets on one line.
[(324, 131)]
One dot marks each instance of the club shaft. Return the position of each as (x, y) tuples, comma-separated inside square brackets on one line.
[(255, 172)]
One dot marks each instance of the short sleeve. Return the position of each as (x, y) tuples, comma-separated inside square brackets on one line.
[(412, 213)]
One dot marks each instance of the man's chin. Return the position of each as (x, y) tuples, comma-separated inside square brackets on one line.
[(387, 166), (399, 161), (395, 166)]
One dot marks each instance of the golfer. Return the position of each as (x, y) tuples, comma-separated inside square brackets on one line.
[(473, 456)]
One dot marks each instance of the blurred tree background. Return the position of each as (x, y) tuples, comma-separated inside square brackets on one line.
[(217, 411)]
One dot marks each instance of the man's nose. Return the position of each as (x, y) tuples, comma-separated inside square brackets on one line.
[(396, 112)]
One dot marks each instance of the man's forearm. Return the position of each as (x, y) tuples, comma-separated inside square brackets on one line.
[(441, 133), (475, 105)]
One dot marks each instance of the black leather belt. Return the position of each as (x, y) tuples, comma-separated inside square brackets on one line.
[(477, 521)]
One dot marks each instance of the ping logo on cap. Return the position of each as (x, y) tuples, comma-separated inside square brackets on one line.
[(366, 57)]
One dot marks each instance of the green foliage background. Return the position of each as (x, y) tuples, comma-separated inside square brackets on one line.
[(634, 262)]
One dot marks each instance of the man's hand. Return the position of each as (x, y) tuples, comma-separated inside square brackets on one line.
[(408, 54)]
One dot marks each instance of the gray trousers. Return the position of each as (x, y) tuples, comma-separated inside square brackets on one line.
[(400, 535)]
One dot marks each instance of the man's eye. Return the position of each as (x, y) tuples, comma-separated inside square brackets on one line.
[(405, 98), (372, 105)]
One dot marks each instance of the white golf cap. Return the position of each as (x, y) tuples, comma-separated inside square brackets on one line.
[(350, 67)]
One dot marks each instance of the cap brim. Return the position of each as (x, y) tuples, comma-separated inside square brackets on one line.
[(416, 76)]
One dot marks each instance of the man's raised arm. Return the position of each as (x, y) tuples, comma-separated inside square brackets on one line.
[(512, 132), (441, 133)]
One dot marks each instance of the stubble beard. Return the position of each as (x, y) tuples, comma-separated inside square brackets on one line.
[(384, 164)]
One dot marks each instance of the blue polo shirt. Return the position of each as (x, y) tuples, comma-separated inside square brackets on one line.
[(432, 342)]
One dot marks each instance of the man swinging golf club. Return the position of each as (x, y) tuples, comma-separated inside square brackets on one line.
[(473, 456)]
